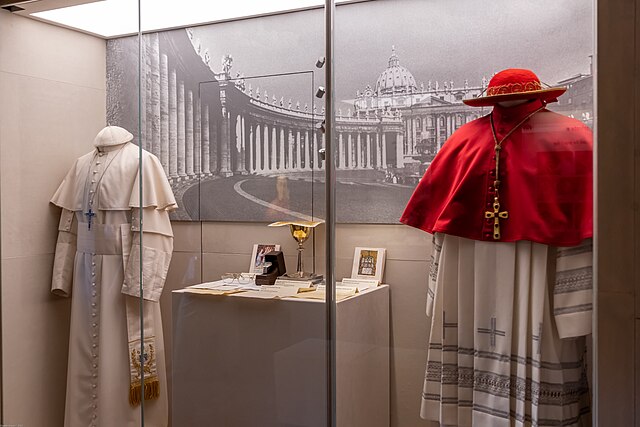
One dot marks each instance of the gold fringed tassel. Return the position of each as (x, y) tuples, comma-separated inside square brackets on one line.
[(151, 391), (135, 395)]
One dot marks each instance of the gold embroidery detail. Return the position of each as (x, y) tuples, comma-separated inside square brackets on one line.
[(510, 88)]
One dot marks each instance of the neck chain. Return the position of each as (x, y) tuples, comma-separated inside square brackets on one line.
[(496, 214), (92, 193)]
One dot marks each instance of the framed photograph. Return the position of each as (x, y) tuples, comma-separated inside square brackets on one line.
[(257, 256), (368, 263)]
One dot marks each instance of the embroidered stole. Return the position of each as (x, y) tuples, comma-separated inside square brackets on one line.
[(142, 348)]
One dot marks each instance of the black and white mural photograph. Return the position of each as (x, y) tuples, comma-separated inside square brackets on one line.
[(234, 112)]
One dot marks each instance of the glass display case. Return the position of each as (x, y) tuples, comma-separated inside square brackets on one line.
[(375, 213)]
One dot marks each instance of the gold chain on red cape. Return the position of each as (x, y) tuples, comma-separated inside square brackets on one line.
[(496, 214)]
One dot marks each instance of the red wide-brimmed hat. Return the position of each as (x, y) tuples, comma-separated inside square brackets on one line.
[(512, 84)]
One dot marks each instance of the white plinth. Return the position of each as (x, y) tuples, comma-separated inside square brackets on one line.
[(248, 362)]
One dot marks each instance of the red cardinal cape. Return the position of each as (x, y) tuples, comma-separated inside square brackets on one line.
[(545, 172)]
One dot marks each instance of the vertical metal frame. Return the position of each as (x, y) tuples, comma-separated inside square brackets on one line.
[(330, 199), (140, 171), (594, 320)]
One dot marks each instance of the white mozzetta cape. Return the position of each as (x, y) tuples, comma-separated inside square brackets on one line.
[(97, 263)]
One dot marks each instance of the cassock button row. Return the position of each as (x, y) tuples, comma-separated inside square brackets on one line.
[(95, 365), (95, 375), (94, 385), (93, 264), (93, 304), (95, 325), (95, 396), (93, 314), (94, 293), (95, 335), (94, 345)]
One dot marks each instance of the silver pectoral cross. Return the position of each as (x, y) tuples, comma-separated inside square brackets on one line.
[(90, 214)]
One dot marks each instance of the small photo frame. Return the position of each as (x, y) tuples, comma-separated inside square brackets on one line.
[(368, 263), (257, 256)]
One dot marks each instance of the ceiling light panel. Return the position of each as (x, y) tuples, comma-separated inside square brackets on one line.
[(111, 18)]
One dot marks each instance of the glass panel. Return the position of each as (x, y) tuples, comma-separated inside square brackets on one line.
[(234, 122), (497, 338), (71, 183)]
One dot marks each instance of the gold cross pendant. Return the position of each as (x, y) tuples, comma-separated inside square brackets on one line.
[(496, 215)]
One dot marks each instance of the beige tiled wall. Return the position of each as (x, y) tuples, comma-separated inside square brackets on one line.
[(52, 104), (227, 248)]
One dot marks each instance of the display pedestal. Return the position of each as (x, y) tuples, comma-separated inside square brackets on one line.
[(241, 361)]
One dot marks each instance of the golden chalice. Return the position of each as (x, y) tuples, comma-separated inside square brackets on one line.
[(300, 231)]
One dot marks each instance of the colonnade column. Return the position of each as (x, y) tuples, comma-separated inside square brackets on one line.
[(145, 100), (281, 163), (236, 147), (369, 163), (225, 136), (378, 151), (258, 138), (406, 149), (143, 134), (164, 113), (265, 148), (384, 150), (340, 151), (197, 147), (349, 163), (316, 164), (181, 131), (414, 142), (324, 145), (189, 135), (213, 147), (360, 162), (438, 142), (274, 147), (307, 150), (298, 151), (205, 141), (290, 144), (155, 95), (173, 126), (399, 154), (252, 165)]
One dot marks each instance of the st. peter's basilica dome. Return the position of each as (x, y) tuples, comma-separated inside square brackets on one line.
[(396, 78)]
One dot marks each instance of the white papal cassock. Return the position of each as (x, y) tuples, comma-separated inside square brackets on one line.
[(97, 263), (508, 326)]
